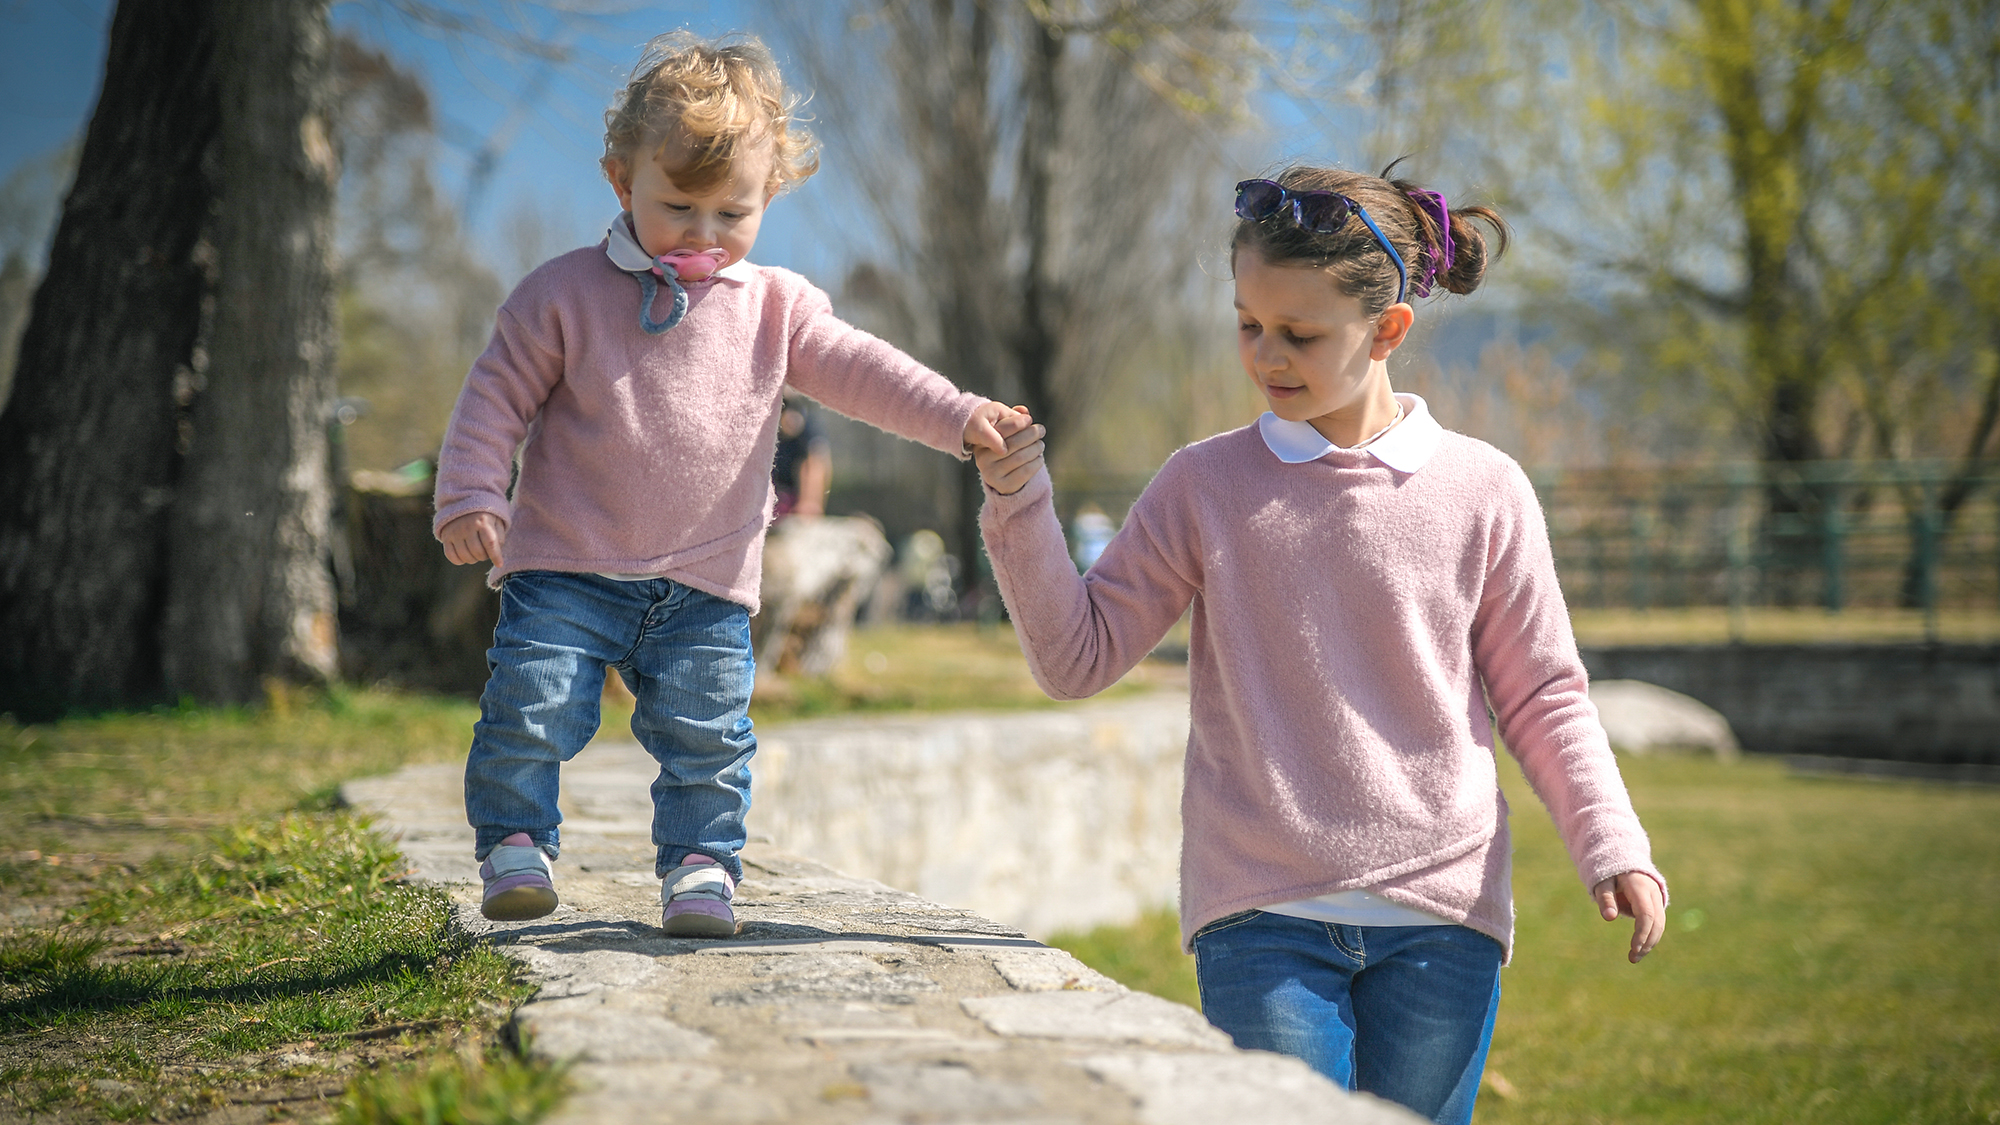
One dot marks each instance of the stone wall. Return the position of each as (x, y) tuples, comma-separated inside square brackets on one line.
[(1911, 703), (1047, 820), (841, 1000)]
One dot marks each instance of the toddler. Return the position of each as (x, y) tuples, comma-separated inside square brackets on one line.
[(1364, 584), (631, 395)]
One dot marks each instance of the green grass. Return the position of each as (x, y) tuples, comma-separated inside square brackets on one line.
[(891, 668), (209, 928), (1832, 955), (182, 976), (195, 768), (498, 1087), (1711, 625)]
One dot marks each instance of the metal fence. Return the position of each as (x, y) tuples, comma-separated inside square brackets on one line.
[(1835, 535)]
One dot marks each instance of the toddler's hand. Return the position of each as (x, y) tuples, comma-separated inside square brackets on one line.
[(1635, 896), (991, 425), (473, 537), (1011, 468)]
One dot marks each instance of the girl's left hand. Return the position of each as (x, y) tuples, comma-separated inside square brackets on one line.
[(1636, 896)]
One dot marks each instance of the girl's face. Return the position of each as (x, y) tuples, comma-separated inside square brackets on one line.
[(727, 216), (1308, 348)]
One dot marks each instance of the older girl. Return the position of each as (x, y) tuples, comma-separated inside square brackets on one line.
[(1365, 584)]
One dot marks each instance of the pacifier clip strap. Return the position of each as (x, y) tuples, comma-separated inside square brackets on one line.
[(650, 290)]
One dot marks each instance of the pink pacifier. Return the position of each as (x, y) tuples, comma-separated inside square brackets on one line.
[(691, 265)]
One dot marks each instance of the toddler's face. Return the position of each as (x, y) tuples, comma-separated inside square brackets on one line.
[(725, 217), (1302, 341)]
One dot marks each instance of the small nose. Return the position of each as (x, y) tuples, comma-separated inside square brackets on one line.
[(1266, 355)]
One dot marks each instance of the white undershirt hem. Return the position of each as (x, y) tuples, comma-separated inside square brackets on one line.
[(1356, 908)]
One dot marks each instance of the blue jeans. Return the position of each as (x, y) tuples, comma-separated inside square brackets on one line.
[(1402, 1012), (686, 656)]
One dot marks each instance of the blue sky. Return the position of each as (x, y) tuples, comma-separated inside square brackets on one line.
[(544, 123)]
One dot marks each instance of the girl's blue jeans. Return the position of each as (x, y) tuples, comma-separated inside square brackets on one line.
[(686, 656), (1402, 1012)]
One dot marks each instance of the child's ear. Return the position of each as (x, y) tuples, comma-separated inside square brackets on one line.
[(1391, 330), (621, 180)]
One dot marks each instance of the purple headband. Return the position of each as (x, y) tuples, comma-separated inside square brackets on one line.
[(1440, 257)]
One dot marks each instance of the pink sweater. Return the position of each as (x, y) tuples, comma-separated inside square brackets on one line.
[(1350, 623), (652, 454)]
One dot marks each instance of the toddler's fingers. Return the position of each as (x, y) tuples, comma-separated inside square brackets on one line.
[(1013, 421), (983, 428), (489, 541)]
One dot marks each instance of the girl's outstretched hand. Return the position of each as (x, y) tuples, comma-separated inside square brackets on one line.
[(1008, 470), (1635, 896)]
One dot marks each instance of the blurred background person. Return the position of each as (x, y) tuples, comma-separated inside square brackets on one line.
[(802, 470)]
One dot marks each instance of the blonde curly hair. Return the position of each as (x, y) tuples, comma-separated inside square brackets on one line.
[(717, 99)]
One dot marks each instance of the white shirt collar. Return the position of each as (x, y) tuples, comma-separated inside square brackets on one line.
[(626, 253), (1405, 447)]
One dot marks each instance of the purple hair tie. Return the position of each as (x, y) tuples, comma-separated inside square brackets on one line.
[(1445, 252)]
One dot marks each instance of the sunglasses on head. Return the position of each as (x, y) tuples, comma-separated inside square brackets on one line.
[(1315, 212)]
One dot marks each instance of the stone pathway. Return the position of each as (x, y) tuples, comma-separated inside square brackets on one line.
[(841, 1000)]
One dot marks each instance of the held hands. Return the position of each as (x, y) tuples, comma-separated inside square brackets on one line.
[(1635, 896), (473, 537), (992, 424), (1013, 464)]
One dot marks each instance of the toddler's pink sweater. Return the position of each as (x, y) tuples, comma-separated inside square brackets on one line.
[(652, 454), (1346, 618)]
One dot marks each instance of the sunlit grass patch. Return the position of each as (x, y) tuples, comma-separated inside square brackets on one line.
[(499, 1087), (274, 951), (904, 667), (190, 769)]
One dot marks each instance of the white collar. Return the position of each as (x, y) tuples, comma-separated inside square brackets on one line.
[(1404, 447), (626, 253)]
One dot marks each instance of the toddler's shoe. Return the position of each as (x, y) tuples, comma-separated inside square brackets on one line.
[(517, 880), (696, 899)]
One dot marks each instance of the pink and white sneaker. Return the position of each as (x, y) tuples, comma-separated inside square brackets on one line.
[(695, 897), (518, 886)]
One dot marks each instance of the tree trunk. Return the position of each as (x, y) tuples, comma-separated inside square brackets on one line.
[(87, 441), (949, 86), (1035, 344), (250, 593)]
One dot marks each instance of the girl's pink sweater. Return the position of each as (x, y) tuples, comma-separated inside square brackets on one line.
[(1346, 618), (652, 454)]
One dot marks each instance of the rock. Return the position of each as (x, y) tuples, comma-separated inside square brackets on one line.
[(1643, 718)]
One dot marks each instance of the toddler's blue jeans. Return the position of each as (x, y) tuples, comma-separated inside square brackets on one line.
[(1402, 1012), (686, 656)]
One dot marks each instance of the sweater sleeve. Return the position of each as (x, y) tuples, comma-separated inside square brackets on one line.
[(1526, 655), (867, 378), (1081, 633), (502, 394)]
